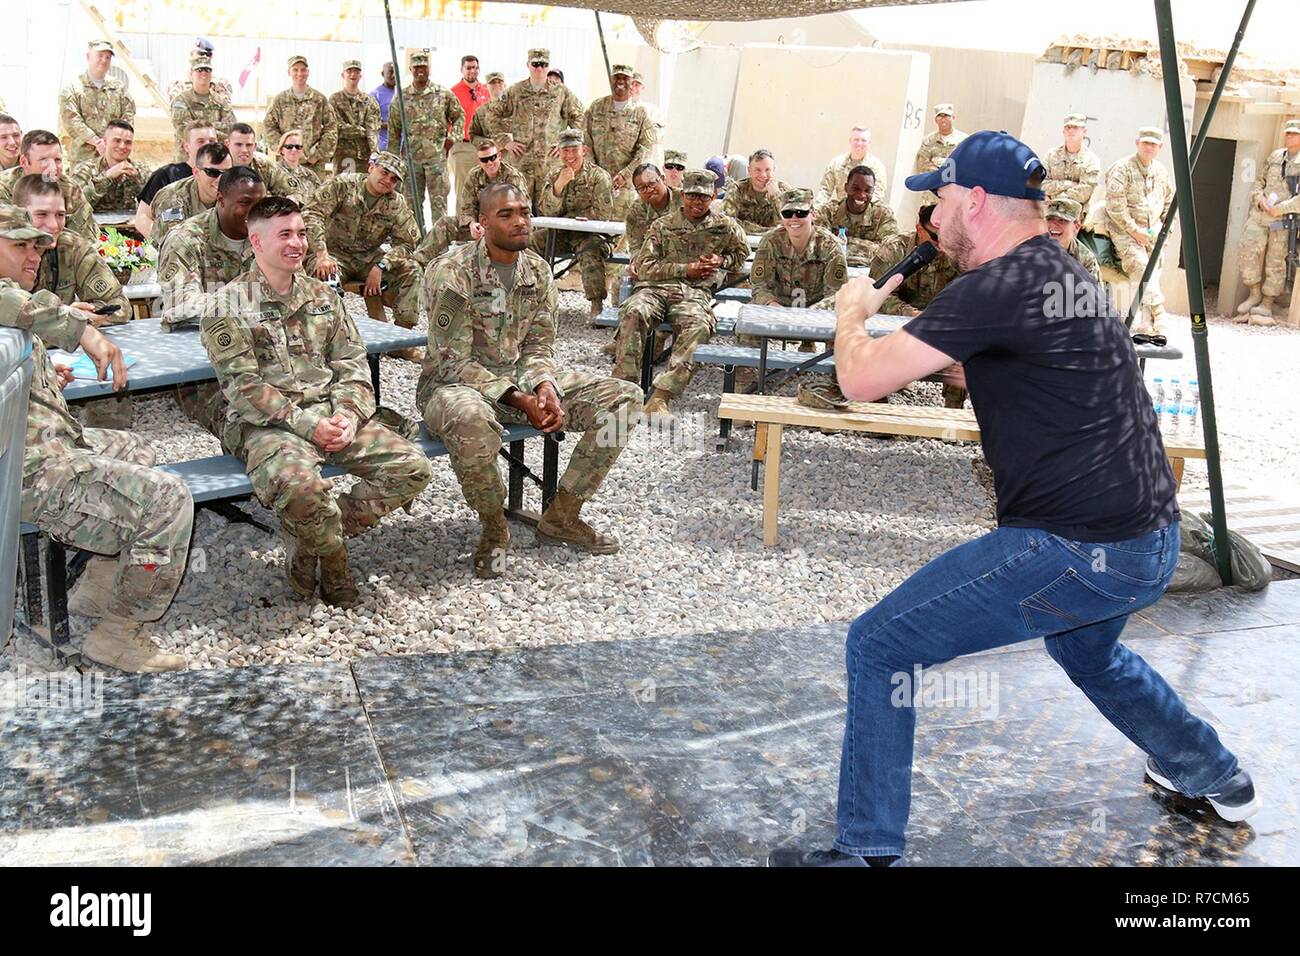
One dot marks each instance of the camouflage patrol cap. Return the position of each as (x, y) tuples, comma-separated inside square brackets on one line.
[(796, 199), (636, 78), (201, 62), (389, 161), (1075, 119), (674, 156), (99, 46), (16, 223), (699, 182), (495, 77), (1151, 134), (198, 53), (351, 65), (1292, 126), (571, 137), (296, 59), (420, 59), (1064, 208), (622, 68), (539, 53), (945, 109)]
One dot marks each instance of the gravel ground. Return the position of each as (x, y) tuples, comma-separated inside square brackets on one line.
[(858, 515)]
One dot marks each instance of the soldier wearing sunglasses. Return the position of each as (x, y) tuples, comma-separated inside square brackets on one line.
[(189, 196), (490, 168), (535, 112)]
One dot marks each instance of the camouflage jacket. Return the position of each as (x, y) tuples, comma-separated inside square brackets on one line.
[(1086, 258), (919, 289), (641, 216), (189, 107), (298, 184), (439, 239), (85, 109), (756, 212), (286, 361), (172, 205), (197, 259), (618, 140), (589, 195), (1137, 197), (477, 179), (219, 85), (1271, 186), (935, 148), (487, 121), (1072, 175), (431, 113), (870, 236), (74, 271), (783, 276), (836, 176), (311, 115), (81, 218), (536, 117), (482, 336), (276, 177), (51, 429), (110, 195), (673, 242), (357, 115), (337, 217)]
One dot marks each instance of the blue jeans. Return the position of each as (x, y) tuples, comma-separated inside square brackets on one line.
[(1012, 585)]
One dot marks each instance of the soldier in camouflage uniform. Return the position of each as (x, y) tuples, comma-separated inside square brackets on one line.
[(490, 168), (869, 228), (307, 110), (357, 114), (678, 266), (90, 102), (834, 181), (754, 201), (444, 233), (1063, 217), (200, 103), (619, 136), (919, 289), (348, 220), (936, 147), (302, 182), (535, 112), (187, 197), (801, 265), (1138, 196), (242, 143), (93, 489), (655, 199), (491, 360), (293, 370), (75, 272), (112, 182), (40, 152), (202, 50), (578, 190), (1263, 248), (431, 111), (1073, 170), (674, 168), (11, 136)]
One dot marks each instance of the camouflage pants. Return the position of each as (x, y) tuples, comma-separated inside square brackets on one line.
[(109, 499), (604, 409), (116, 412), (1133, 259), (203, 404), (534, 170), (430, 177), (403, 277), (623, 200), (1263, 257), (588, 249), (463, 160), (351, 156), (285, 472), (693, 323)]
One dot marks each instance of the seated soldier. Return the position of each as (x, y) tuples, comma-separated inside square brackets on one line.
[(684, 255), (674, 168), (113, 182), (1063, 216), (74, 271), (293, 370), (490, 168), (578, 189), (303, 180), (242, 143), (350, 218), (868, 228), (92, 488), (187, 197), (39, 152), (491, 359), (752, 201), (441, 236)]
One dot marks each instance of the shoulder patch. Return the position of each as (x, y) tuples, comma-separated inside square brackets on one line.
[(224, 341), (99, 287), (449, 305)]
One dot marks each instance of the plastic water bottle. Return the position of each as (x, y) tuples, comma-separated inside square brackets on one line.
[(1158, 401), (624, 289), (1191, 406), (1174, 404), (844, 239)]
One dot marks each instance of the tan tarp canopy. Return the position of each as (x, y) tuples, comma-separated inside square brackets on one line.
[(730, 9)]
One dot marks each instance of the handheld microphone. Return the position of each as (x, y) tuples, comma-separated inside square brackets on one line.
[(912, 263)]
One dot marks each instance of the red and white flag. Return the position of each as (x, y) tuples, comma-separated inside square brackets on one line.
[(248, 69)]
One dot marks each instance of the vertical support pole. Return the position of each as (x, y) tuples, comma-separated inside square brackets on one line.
[(604, 52), (406, 127)]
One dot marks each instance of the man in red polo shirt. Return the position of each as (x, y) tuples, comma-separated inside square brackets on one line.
[(472, 94)]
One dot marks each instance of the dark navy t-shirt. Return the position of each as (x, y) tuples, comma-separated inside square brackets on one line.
[(1066, 421)]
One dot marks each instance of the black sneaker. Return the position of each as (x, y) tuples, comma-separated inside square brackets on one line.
[(1234, 801)]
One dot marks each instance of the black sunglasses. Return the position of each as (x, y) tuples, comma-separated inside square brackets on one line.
[(488, 159), (539, 63), (677, 166), (794, 213), (292, 146), (214, 173)]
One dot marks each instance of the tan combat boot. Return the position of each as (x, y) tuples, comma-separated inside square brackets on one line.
[(658, 404), (1251, 301), (413, 354), (93, 589), (596, 306), (117, 642), (299, 567), (560, 524), (745, 377), (493, 545), (337, 587), (610, 347), (1262, 314)]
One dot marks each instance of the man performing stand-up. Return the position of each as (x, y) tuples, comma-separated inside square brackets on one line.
[(1087, 519)]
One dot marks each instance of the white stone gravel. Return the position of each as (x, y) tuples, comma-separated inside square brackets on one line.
[(857, 516)]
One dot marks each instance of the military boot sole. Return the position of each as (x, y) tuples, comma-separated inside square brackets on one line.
[(610, 546)]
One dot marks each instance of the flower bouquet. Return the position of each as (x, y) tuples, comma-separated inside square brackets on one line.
[(125, 255)]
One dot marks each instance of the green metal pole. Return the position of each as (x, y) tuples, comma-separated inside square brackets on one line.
[(1198, 141), (418, 201), (1221, 544), (605, 53)]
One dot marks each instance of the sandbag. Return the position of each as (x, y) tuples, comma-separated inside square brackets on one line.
[(1250, 569), (1194, 575)]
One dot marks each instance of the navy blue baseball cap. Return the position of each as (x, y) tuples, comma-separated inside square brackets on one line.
[(997, 162)]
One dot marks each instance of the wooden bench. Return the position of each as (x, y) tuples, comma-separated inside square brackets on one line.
[(771, 413)]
